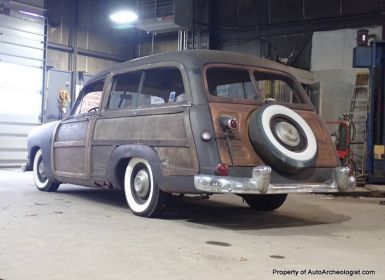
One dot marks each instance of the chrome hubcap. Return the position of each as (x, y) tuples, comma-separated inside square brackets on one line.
[(142, 183), (41, 170), (287, 133)]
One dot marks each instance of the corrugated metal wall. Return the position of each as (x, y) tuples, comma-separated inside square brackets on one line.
[(21, 78)]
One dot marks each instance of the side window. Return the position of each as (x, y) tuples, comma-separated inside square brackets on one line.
[(276, 86), (124, 91), (89, 100), (162, 85), (230, 83)]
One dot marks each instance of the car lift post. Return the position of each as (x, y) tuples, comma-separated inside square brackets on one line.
[(373, 57)]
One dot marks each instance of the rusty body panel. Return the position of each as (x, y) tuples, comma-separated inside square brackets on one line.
[(243, 153), (70, 150), (169, 134)]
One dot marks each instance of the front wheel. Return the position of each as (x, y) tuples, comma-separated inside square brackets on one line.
[(265, 202), (42, 182), (142, 193)]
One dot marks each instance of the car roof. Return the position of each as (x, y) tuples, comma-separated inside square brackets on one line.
[(195, 59)]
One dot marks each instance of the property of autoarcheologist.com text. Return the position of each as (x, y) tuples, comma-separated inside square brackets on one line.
[(324, 272)]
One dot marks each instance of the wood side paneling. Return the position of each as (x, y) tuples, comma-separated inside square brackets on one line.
[(243, 153), (242, 150), (72, 131), (70, 160)]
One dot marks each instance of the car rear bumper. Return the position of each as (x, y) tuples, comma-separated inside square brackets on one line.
[(260, 183)]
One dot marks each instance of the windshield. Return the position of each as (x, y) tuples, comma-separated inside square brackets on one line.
[(259, 85)]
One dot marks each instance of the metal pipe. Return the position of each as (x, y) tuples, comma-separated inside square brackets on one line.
[(193, 25), (74, 46), (185, 39), (179, 40), (64, 48), (44, 90)]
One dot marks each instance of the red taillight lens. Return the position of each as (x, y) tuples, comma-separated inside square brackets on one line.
[(228, 122), (232, 124), (222, 170)]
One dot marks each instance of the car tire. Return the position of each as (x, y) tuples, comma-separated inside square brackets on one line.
[(42, 182), (143, 195), (265, 202), (264, 138)]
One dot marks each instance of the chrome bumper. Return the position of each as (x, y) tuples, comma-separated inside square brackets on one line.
[(259, 183)]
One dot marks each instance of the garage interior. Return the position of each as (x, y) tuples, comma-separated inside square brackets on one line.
[(333, 47)]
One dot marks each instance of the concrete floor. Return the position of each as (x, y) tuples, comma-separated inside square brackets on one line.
[(80, 233)]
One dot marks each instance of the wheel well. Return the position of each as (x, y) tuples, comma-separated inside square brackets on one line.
[(33, 153), (120, 171)]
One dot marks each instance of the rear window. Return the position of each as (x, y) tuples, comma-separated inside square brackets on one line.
[(230, 83), (241, 84)]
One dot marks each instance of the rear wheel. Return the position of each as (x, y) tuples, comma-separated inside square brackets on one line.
[(265, 202), (42, 182), (142, 193)]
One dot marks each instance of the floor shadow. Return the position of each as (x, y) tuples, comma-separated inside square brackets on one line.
[(97, 195), (222, 214), (230, 216)]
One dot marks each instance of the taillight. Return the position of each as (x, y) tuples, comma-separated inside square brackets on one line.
[(228, 122), (233, 124), (222, 170)]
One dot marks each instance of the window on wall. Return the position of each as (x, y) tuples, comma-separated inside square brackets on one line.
[(90, 98), (150, 87)]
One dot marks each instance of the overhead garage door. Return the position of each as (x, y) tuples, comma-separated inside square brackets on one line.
[(21, 82)]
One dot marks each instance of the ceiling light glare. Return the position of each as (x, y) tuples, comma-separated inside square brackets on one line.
[(123, 17)]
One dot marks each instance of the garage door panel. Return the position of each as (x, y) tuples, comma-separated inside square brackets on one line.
[(19, 51), (10, 35), (21, 25), (18, 128), (13, 155), (19, 79), (13, 141), (21, 84), (21, 61)]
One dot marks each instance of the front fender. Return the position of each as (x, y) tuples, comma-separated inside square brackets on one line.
[(120, 157), (41, 137)]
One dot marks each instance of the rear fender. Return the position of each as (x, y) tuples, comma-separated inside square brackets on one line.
[(121, 156)]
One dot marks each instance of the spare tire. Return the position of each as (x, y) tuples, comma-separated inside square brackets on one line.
[(282, 138)]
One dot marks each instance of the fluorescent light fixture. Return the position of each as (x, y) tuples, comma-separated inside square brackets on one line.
[(31, 14), (123, 17)]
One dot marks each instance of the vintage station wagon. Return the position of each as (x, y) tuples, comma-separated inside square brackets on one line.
[(195, 122)]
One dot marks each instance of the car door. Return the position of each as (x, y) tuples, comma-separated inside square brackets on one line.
[(71, 148)]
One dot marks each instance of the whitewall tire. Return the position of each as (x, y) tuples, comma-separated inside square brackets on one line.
[(42, 182), (282, 138), (142, 193)]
